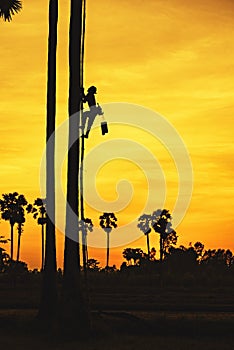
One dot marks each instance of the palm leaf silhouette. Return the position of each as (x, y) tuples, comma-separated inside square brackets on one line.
[(9, 8)]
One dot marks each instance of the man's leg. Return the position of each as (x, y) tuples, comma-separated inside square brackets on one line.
[(85, 118), (91, 119)]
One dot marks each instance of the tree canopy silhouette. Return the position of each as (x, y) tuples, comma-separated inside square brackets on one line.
[(133, 255), (92, 265), (4, 257)]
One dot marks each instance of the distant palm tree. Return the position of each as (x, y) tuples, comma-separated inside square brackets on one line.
[(161, 223), (21, 220), (145, 221), (8, 8), (107, 223), (39, 209), (12, 210)]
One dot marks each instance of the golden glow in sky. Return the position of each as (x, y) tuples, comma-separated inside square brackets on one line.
[(174, 57)]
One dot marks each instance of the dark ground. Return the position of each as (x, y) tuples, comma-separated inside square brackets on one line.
[(126, 316)]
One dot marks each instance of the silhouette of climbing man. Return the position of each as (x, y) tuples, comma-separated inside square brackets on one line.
[(94, 108)]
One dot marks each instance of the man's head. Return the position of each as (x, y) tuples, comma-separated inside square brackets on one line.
[(92, 89)]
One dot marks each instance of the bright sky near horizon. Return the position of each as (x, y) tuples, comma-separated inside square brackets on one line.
[(173, 57)]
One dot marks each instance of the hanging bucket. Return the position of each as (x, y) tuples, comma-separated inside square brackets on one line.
[(104, 128)]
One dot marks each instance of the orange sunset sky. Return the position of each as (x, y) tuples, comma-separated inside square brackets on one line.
[(173, 57)]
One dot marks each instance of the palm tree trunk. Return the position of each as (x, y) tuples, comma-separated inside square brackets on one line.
[(18, 245), (84, 251), (148, 245), (107, 249), (82, 170), (161, 260), (42, 247), (75, 316), (86, 246), (161, 248), (12, 240), (48, 305), (82, 198), (82, 143)]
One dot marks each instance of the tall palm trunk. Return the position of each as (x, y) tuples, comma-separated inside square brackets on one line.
[(161, 248), (107, 248), (74, 309), (84, 250), (19, 240), (12, 240), (148, 245), (87, 253), (48, 303), (42, 246), (161, 261)]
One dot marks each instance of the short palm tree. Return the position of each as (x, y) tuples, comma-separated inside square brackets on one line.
[(12, 210), (39, 209), (145, 221), (8, 8), (107, 223)]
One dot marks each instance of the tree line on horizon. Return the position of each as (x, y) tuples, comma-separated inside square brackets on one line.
[(185, 266), (14, 206)]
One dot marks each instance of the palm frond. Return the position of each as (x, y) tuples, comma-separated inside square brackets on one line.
[(144, 223), (9, 8), (108, 221)]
